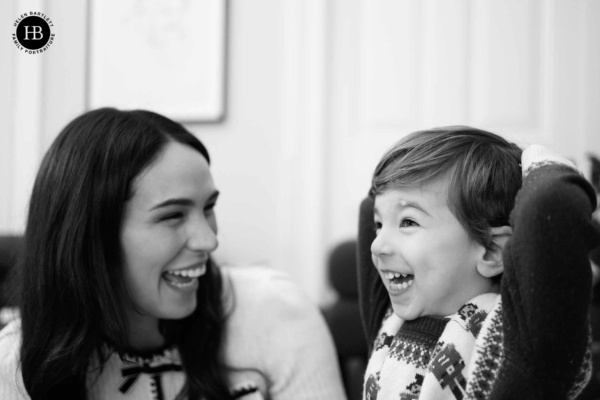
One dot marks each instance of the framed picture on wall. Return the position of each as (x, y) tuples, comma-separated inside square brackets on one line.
[(164, 56)]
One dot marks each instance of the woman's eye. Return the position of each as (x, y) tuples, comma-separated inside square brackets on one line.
[(407, 223), (172, 216), (210, 208)]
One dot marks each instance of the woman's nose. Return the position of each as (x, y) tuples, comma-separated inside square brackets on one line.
[(202, 235)]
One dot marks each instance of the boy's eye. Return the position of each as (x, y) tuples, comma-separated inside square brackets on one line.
[(376, 227), (407, 223)]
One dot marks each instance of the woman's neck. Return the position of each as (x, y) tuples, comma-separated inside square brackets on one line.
[(144, 334)]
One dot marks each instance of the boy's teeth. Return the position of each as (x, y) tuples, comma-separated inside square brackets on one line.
[(399, 281), (392, 275), (401, 286), (395, 275)]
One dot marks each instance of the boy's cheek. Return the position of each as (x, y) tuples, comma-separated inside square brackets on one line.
[(374, 259)]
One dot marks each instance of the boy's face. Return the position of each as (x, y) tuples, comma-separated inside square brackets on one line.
[(426, 259)]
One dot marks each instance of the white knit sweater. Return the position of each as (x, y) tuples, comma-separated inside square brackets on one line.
[(276, 343)]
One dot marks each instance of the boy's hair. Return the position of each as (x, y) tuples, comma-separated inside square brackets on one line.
[(483, 168)]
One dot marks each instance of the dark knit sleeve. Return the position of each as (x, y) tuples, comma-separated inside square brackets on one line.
[(546, 286), (373, 297)]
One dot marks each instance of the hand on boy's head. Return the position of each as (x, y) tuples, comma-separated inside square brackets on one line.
[(536, 155)]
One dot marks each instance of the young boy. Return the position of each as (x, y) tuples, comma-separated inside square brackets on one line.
[(482, 250)]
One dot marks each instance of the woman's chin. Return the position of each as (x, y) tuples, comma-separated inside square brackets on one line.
[(179, 311)]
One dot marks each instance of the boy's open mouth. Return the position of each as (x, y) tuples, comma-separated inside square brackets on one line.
[(399, 281)]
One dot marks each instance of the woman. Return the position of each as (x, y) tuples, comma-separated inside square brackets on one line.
[(120, 298)]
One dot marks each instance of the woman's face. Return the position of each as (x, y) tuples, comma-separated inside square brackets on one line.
[(168, 232)]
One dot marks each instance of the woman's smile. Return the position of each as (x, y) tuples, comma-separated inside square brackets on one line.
[(185, 279)]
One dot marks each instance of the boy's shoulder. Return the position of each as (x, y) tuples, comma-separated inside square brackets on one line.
[(472, 315)]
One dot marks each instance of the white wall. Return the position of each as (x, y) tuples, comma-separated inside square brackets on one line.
[(317, 90), (260, 153), (527, 70)]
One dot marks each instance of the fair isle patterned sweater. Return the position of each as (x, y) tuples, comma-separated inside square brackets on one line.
[(529, 342), (430, 358)]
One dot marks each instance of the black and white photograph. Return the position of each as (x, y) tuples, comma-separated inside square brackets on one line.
[(300, 199)]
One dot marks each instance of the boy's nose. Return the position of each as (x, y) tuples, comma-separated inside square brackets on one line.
[(202, 237), (380, 245)]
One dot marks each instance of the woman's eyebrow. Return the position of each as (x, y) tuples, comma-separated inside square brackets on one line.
[(182, 201), (173, 202)]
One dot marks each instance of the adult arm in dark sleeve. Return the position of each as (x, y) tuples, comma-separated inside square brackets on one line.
[(546, 287)]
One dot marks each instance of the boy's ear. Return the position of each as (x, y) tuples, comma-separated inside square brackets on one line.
[(491, 263)]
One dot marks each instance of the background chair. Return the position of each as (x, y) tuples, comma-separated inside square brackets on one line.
[(343, 318), (10, 249)]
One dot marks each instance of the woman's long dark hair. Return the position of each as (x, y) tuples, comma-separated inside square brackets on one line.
[(71, 282)]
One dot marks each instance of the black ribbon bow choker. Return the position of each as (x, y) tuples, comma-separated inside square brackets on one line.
[(130, 374)]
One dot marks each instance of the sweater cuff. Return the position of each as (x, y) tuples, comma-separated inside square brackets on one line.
[(536, 156)]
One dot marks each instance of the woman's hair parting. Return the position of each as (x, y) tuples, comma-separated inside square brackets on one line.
[(71, 285), (483, 170)]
